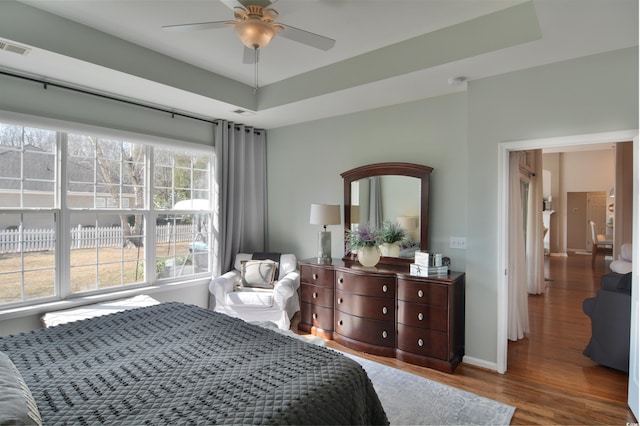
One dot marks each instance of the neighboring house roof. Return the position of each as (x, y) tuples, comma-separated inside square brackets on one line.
[(40, 172), (41, 167)]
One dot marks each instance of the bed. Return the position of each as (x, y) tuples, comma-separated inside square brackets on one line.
[(172, 363)]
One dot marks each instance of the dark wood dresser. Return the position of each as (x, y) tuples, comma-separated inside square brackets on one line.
[(385, 311), (317, 294)]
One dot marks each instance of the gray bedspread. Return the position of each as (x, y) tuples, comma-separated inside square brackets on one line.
[(173, 364)]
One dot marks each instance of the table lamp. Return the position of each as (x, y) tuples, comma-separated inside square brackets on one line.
[(324, 214), (409, 224)]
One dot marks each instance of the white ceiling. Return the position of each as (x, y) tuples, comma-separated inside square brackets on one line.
[(569, 29)]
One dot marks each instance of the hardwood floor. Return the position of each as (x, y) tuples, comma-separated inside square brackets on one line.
[(560, 331), (548, 380)]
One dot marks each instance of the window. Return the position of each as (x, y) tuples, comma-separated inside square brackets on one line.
[(83, 214), (182, 195)]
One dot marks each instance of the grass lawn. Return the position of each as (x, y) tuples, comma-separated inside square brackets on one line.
[(117, 267)]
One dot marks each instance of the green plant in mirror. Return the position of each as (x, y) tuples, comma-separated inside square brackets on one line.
[(392, 233)]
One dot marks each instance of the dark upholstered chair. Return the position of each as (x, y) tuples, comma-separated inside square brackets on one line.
[(610, 313)]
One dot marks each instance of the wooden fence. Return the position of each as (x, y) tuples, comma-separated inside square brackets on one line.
[(82, 237)]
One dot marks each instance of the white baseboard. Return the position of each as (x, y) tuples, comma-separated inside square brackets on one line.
[(559, 254), (480, 363)]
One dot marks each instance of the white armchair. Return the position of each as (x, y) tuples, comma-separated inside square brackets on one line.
[(276, 305), (623, 265)]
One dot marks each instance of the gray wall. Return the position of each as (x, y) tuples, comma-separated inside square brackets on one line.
[(26, 97), (459, 136), (587, 95), (305, 162)]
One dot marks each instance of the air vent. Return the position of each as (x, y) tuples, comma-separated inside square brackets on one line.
[(243, 112), (10, 47)]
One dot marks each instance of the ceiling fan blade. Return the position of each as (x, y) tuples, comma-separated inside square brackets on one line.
[(196, 26), (232, 4), (249, 56), (305, 37)]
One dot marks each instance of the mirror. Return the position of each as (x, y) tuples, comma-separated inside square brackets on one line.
[(389, 198), (394, 192)]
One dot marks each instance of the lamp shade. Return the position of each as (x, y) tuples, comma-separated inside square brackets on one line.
[(408, 223), (355, 213), (325, 214)]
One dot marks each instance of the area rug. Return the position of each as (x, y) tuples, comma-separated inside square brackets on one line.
[(413, 400)]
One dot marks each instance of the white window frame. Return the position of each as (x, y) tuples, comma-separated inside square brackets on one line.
[(62, 213)]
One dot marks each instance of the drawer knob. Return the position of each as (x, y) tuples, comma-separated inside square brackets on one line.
[(314, 316), (420, 293), (339, 300), (420, 316), (384, 334), (385, 288), (314, 276), (340, 280), (340, 322), (384, 310), (420, 342), (315, 295)]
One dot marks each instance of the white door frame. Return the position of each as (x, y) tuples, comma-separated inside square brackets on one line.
[(503, 205), (633, 399)]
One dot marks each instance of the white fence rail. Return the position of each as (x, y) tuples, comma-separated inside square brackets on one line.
[(82, 237)]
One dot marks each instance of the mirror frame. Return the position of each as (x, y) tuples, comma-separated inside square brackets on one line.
[(390, 168)]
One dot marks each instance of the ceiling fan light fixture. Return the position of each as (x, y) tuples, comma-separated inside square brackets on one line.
[(255, 27), (254, 33)]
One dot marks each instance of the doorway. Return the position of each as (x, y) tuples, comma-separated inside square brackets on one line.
[(504, 150), (583, 207)]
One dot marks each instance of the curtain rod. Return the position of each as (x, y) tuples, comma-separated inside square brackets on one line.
[(111, 98)]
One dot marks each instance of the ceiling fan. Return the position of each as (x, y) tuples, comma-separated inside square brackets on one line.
[(255, 24)]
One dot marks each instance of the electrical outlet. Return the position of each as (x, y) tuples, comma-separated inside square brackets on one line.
[(458, 242)]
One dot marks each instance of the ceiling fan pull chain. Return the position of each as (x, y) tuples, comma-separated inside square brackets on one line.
[(255, 87)]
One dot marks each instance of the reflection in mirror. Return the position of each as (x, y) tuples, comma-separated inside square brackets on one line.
[(389, 198), (395, 193)]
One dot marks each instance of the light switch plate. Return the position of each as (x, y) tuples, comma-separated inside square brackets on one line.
[(458, 242)]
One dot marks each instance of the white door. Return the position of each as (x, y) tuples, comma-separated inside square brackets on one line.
[(634, 356)]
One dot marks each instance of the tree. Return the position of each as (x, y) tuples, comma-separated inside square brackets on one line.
[(121, 166), (114, 167)]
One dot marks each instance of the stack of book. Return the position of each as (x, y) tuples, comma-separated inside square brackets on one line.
[(422, 266)]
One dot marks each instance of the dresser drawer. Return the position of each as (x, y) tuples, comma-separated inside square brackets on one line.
[(317, 316), (317, 295), (374, 332), (425, 316), (422, 292), (365, 306), (421, 341), (366, 285), (316, 276)]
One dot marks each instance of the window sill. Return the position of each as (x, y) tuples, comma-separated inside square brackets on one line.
[(41, 308)]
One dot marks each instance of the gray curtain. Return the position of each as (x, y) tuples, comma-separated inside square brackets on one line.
[(375, 202), (241, 193)]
